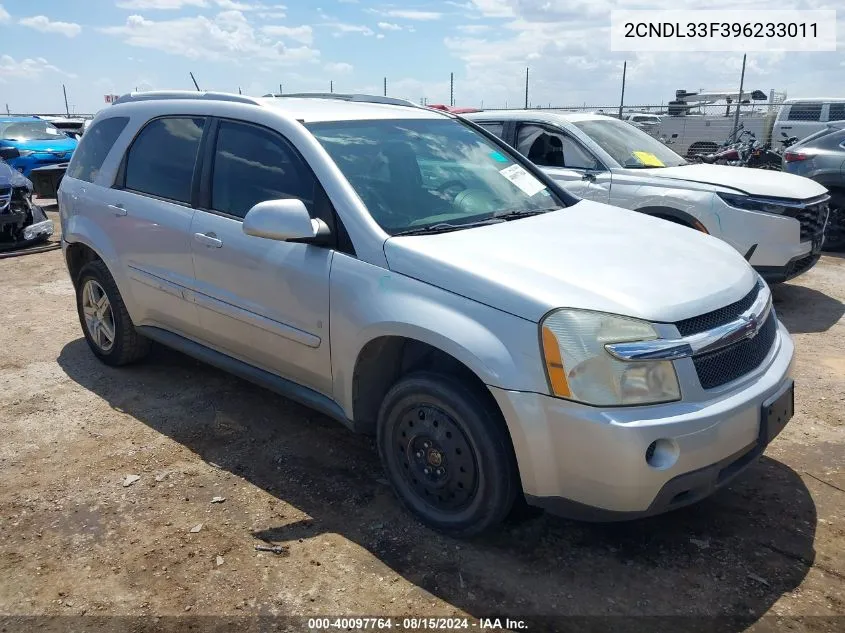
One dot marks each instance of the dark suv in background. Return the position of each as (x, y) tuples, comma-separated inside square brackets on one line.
[(821, 156)]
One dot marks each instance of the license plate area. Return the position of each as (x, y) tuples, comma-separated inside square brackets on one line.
[(776, 412)]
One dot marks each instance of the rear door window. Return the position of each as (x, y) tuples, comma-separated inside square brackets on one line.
[(162, 158), (95, 145), (805, 112)]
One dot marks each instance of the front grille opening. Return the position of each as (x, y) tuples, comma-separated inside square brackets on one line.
[(811, 219), (681, 497), (726, 365)]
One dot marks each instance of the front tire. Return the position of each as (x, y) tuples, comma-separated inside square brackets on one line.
[(104, 318), (447, 454)]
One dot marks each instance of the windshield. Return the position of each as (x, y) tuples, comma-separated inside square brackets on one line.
[(30, 131), (427, 173), (629, 146)]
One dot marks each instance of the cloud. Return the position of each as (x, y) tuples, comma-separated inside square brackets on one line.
[(341, 68), (172, 5), (42, 23), (495, 8), (413, 15), (388, 26), (341, 28), (163, 5), (28, 69), (380, 36), (4, 15), (226, 37), (473, 29), (303, 34), (566, 44)]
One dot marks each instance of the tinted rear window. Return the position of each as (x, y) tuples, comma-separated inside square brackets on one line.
[(161, 160), (94, 147)]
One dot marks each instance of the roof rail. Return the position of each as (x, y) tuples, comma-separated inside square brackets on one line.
[(156, 95), (361, 98)]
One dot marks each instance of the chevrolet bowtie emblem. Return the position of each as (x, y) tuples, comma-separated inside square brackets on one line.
[(749, 329)]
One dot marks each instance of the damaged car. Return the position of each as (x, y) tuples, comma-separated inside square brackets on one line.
[(22, 223)]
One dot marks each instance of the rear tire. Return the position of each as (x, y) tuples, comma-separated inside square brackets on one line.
[(105, 321), (447, 454)]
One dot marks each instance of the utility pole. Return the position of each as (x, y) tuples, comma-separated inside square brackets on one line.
[(385, 86), (8, 112), (622, 98), (331, 86), (67, 109), (280, 89), (451, 89), (526, 87), (239, 90), (196, 85), (739, 100)]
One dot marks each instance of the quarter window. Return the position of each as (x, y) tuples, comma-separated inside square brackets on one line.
[(252, 165), (805, 112), (161, 160), (95, 145), (551, 149)]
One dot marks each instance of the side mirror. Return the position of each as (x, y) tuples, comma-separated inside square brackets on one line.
[(285, 220), (9, 153)]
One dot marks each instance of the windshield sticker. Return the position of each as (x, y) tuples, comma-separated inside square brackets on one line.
[(522, 179), (498, 157), (648, 159)]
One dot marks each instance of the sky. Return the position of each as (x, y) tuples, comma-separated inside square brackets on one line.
[(99, 47)]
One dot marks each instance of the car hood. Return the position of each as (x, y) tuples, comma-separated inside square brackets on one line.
[(59, 144), (12, 178), (755, 182), (590, 255)]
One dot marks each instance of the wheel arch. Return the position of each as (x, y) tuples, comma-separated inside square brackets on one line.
[(674, 215)]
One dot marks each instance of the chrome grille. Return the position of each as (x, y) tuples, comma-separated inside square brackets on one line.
[(724, 365)]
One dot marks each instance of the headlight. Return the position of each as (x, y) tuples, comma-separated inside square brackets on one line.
[(580, 368), (753, 203)]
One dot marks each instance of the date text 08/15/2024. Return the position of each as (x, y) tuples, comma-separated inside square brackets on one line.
[(416, 624)]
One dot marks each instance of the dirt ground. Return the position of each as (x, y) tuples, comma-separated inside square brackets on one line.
[(769, 551)]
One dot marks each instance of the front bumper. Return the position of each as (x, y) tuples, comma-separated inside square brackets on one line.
[(588, 462), (796, 266)]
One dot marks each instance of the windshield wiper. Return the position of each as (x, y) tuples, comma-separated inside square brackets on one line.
[(523, 213), (445, 227)]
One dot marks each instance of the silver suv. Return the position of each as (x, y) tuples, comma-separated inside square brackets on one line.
[(409, 274)]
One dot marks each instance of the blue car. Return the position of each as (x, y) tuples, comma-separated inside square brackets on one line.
[(30, 142)]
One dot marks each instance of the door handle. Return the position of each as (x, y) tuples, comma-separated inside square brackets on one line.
[(117, 209), (208, 239)]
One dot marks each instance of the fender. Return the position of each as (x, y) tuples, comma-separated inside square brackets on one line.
[(80, 229), (682, 217), (369, 302)]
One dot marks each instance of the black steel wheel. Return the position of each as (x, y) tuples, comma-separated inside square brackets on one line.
[(447, 454)]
